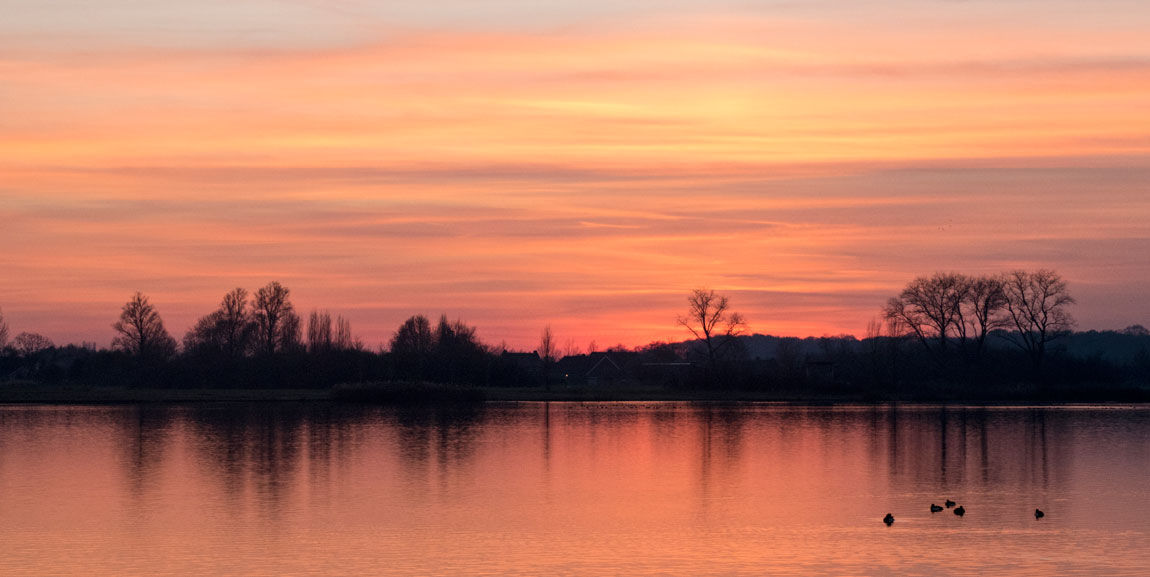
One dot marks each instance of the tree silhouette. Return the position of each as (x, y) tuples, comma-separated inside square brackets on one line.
[(412, 345), (931, 309), (236, 325), (31, 344), (227, 331), (947, 307), (343, 340), (141, 331), (3, 331), (319, 336), (277, 326), (291, 333), (548, 353), (710, 321), (982, 309), (457, 351), (1037, 303)]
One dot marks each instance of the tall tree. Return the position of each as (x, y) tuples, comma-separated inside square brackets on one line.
[(343, 339), (930, 308), (413, 336), (319, 336), (277, 325), (226, 331), (236, 325), (291, 333), (3, 331), (458, 352), (412, 346), (983, 309), (141, 331), (709, 319), (548, 353), (31, 344), (1037, 303)]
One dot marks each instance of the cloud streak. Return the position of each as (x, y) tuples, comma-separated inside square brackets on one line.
[(586, 174)]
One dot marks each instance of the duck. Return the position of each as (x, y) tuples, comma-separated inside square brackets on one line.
[(949, 503), (1038, 514), (960, 511), (888, 519), (934, 508)]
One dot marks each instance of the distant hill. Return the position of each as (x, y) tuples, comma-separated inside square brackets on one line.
[(1122, 347)]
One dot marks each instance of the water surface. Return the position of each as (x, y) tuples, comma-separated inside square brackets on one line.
[(572, 489)]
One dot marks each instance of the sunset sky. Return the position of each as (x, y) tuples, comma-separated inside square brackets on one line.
[(580, 164)]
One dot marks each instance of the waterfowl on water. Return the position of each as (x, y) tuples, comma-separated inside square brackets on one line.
[(888, 519), (960, 511), (1038, 514), (934, 508), (949, 503)]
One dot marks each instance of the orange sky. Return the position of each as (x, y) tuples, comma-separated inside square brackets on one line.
[(579, 166)]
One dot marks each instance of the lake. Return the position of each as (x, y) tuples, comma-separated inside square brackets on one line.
[(573, 489)]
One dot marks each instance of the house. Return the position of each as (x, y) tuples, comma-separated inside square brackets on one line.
[(594, 370), (529, 365)]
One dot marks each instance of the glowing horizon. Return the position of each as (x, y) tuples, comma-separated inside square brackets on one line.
[(585, 166)]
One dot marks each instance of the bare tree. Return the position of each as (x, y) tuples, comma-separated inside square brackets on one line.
[(571, 349), (141, 331), (273, 314), (1037, 303), (457, 351), (710, 321), (983, 309), (930, 308), (343, 340), (1136, 331), (291, 333), (3, 331), (548, 348), (413, 337), (548, 352), (412, 346), (227, 331), (204, 336), (31, 344), (319, 336), (236, 325)]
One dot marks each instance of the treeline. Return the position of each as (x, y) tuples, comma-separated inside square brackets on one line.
[(946, 335), (256, 341)]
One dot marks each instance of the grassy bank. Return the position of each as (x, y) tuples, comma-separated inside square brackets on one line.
[(424, 393), (78, 394)]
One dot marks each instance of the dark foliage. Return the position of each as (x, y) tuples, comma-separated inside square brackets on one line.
[(947, 337)]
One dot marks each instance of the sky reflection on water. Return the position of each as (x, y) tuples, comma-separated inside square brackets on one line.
[(578, 489)]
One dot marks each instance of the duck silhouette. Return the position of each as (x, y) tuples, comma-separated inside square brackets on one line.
[(960, 511), (934, 508), (949, 503), (1038, 514), (888, 519)]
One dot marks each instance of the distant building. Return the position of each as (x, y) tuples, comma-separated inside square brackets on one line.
[(529, 364), (601, 369)]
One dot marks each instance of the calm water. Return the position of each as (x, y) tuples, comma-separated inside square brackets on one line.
[(572, 489)]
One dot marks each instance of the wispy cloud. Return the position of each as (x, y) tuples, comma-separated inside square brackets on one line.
[(579, 166)]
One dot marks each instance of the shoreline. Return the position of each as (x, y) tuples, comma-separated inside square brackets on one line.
[(25, 394)]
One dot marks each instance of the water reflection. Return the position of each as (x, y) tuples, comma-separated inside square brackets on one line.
[(145, 436), (571, 488)]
